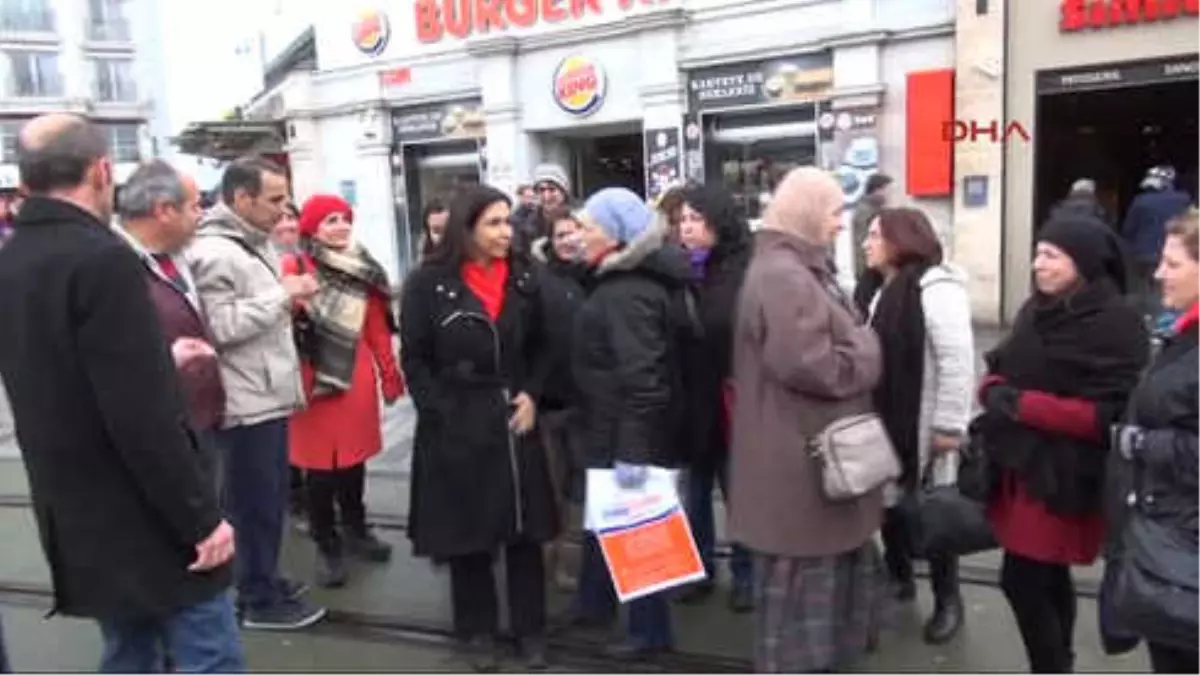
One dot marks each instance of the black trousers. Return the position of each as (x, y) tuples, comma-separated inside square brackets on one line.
[(343, 487), (898, 556), (297, 496), (473, 592), (1042, 597), (1164, 659)]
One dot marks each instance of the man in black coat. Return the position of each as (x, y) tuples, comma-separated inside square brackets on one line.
[(124, 501)]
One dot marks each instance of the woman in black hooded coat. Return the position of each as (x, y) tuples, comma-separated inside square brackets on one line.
[(718, 239)]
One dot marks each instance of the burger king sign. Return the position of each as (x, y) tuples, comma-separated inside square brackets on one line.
[(371, 32), (579, 85)]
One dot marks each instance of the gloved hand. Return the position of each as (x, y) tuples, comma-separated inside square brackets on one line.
[(630, 476), (1127, 439), (1002, 399)]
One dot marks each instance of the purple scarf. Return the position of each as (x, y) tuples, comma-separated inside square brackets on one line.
[(699, 258)]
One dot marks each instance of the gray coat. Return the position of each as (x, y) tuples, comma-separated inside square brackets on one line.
[(802, 359), (237, 277)]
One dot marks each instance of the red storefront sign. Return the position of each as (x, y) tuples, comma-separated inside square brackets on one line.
[(463, 18), (1078, 15)]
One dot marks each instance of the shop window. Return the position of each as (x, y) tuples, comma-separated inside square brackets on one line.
[(749, 155)]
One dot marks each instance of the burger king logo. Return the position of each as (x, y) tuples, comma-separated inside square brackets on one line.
[(579, 85), (371, 32)]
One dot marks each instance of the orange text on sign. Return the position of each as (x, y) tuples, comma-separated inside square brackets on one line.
[(463, 18), (651, 555)]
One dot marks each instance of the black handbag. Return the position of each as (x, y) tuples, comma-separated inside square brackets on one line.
[(1156, 584), (941, 520), (975, 476)]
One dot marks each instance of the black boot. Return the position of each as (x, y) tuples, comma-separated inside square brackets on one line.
[(365, 545), (741, 598), (533, 649), (947, 616), (331, 565), (481, 653), (896, 556)]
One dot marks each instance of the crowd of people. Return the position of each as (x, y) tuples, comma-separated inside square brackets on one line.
[(221, 366)]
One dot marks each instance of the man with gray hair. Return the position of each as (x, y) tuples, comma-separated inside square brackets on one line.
[(159, 211), (1081, 200), (127, 514)]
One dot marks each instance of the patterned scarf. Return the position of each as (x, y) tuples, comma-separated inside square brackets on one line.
[(338, 312)]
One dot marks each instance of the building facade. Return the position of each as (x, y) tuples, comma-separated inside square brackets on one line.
[(412, 99), (93, 57), (1106, 90)]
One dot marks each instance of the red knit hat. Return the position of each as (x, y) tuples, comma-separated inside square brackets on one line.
[(319, 207)]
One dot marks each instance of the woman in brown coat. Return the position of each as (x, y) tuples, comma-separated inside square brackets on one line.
[(802, 359)]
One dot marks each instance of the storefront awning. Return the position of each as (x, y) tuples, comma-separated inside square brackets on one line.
[(228, 140)]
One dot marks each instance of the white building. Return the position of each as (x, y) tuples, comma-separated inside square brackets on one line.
[(93, 57), (411, 98)]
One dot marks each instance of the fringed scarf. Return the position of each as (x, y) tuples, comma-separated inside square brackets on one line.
[(338, 312)]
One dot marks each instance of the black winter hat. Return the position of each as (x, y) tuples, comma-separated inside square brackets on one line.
[(1093, 246)]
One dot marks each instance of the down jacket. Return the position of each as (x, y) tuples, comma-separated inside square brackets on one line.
[(626, 353), (948, 380)]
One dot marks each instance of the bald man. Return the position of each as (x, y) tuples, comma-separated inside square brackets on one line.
[(124, 502)]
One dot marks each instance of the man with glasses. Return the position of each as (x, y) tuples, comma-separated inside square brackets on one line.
[(552, 189), (249, 307)]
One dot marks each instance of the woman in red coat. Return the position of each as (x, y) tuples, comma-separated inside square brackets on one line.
[(345, 342), (1054, 386)]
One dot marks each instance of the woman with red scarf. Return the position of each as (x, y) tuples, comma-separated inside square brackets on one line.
[(344, 337), (480, 480)]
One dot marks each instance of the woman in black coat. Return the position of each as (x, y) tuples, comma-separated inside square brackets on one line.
[(718, 239), (562, 294), (1153, 489), (479, 476)]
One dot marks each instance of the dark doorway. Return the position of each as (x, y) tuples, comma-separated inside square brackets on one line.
[(609, 161), (1113, 136)]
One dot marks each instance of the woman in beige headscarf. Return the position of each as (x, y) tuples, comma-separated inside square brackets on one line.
[(802, 359)]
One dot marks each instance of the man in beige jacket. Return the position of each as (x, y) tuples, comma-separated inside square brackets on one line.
[(249, 307)]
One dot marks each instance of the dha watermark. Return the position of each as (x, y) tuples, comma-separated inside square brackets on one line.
[(989, 131)]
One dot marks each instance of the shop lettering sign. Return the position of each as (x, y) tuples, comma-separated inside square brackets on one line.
[(579, 85), (662, 160), (994, 131), (1077, 15), (461, 19), (462, 119), (1109, 76), (798, 79)]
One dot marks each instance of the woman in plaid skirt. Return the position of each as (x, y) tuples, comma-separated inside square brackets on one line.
[(802, 359)]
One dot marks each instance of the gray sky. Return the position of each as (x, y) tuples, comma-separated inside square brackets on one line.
[(205, 76)]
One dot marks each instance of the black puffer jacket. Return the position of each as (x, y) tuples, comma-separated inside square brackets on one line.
[(626, 356), (1165, 405), (562, 295)]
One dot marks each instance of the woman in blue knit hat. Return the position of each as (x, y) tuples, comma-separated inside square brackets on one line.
[(626, 363)]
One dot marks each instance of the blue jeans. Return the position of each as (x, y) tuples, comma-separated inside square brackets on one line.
[(202, 638), (700, 484), (5, 667), (256, 494), (649, 619)]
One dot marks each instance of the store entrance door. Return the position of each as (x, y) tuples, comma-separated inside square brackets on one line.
[(600, 157), (1112, 136)]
